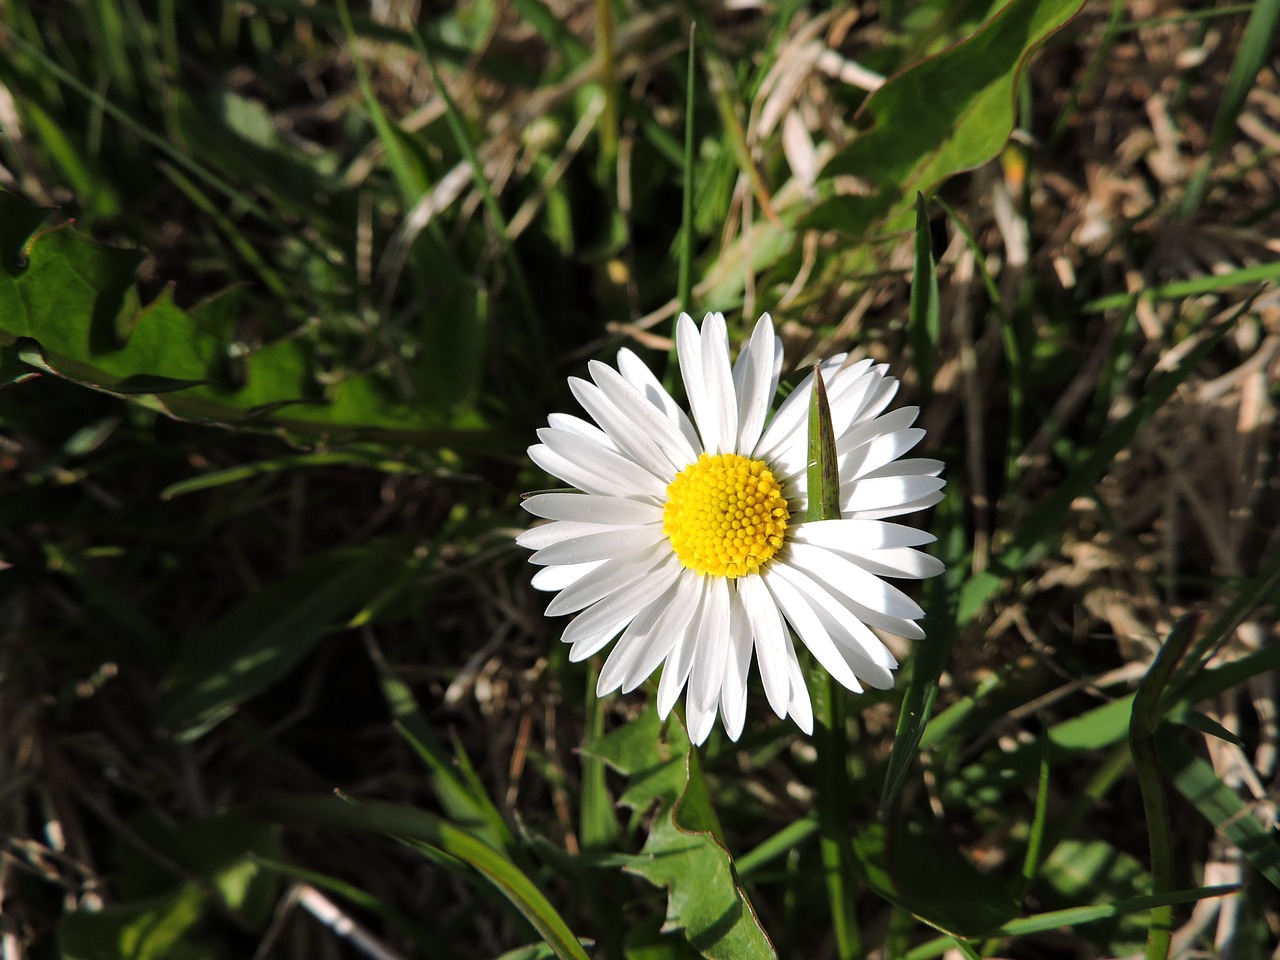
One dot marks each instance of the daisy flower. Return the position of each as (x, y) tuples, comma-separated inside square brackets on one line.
[(688, 536)]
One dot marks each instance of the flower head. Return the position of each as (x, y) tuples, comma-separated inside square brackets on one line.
[(688, 537)]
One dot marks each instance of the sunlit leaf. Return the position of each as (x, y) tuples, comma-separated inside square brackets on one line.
[(684, 851)]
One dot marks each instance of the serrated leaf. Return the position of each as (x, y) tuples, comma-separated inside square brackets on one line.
[(684, 852), (73, 306), (949, 113)]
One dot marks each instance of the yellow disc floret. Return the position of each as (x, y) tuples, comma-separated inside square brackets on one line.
[(725, 515)]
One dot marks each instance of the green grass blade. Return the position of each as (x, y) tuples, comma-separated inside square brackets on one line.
[(924, 321), (419, 825), (1146, 760), (499, 222), (684, 285), (830, 740), (1197, 781), (1251, 56), (1041, 526)]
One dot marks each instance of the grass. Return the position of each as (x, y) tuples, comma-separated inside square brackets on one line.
[(273, 681)]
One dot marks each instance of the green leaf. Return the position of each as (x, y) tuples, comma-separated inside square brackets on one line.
[(262, 638), (221, 850), (1196, 780), (924, 299), (684, 851), (946, 114), (72, 307), (154, 929), (927, 876), (1040, 530), (823, 475), (421, 827)]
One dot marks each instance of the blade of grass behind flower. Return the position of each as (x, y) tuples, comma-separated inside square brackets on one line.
[(830, 740), (458, 794), (929, 658), (683, 290), (1146, 761), (496, 219), (1251, 56), (422, 829), (923, 324), (1040, 527)]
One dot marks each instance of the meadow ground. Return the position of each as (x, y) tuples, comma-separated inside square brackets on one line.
[(286, 289)]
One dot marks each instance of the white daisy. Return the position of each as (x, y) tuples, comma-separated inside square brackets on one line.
[(688, 537)]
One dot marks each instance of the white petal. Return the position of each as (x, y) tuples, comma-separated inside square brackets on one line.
[(909, 468), (675, 671), (609, 543), (733, 688), (588, 477), (627, 475), (625, 432), (609, 577), (700, 720), (859, 535), (590, 630), (713, 646), (637, 373), (583, 428), (716, 373), (862, 650), (865, 431), (851, 391), (883, 390), (592, 509), (810, 628), (799, 706), (689, 354), (557, 578), (545, 534), (769, 634), (880, 493), (664, 432), (911, 506), (852, 580), (675, 620), (793, 415), (899, 562), (754, 384), (639, 634), (878, 452)]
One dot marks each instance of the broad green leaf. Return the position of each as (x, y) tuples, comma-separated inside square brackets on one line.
[(422, 828), (155, 929), (946, 114), (71, 306), (684, 851), (1092, 872), (1196, 780), (261, 639), (221, 850), (928, 877)]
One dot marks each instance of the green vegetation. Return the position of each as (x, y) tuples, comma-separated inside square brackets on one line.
[(286, 289)]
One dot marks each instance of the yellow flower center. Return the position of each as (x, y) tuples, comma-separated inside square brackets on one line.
[(725, 515)]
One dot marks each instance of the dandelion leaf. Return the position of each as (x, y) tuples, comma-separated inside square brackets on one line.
[(949, 113), (69, 306), (684, 852)]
